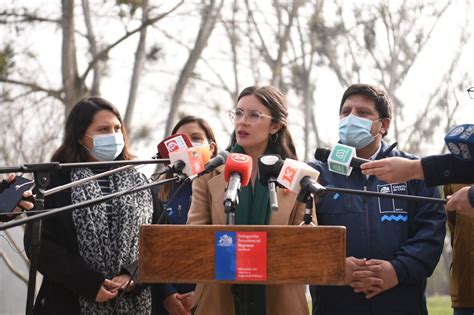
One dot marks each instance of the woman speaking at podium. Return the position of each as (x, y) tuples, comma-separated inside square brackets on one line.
[(260, 128)]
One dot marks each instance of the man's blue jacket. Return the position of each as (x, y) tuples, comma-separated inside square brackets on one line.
[(410, 235)]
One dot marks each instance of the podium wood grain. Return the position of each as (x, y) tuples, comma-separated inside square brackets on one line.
[(295, 254)]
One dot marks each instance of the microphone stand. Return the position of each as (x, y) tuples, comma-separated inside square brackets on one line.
[(241, 292), (272, 193), (54, 166), (42, 179), (41, 173), (230, 204), (305, 196), (55, 211), (322, 191), (35, 223)]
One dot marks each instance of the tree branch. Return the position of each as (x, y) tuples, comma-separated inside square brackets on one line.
[(103, 53), (36, 88)]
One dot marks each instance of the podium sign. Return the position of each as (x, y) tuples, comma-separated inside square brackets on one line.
[(241, 256), (268, 254)]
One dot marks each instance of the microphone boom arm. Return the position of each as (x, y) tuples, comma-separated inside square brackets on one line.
[(51, 212), (320, 190)]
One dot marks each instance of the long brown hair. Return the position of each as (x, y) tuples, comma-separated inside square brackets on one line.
[(78, 120), (163, 194), (275, 101)]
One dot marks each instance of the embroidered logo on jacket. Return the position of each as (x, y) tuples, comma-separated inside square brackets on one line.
[(392, 209)]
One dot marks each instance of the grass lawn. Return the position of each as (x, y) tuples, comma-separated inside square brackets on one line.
[(440, 305)]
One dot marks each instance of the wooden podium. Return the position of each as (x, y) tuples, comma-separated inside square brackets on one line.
[(295, 254)]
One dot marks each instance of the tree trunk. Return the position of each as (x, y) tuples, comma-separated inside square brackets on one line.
[(73, 86), (98, 66), (208, 21), (137, 69)]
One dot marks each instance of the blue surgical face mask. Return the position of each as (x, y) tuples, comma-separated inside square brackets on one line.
[(355, 131), (107, 147)]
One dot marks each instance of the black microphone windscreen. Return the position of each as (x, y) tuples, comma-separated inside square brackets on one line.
[(269, 166), (322, 154)]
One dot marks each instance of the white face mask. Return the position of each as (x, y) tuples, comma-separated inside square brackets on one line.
[(107, 147)]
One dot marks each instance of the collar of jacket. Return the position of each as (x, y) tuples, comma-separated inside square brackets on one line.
[(386, 149)]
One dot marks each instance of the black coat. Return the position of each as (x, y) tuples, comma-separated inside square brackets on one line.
[(447, 169), (66, 275)]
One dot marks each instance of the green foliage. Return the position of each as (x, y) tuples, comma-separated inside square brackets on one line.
[(6, 60), (439, 305)]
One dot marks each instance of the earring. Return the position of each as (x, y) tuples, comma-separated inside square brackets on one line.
[(274, 137)]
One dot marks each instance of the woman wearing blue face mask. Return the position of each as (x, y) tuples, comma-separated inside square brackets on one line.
[(87, 255), (174, 298)]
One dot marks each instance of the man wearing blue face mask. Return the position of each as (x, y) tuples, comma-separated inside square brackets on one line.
[(392, 245)]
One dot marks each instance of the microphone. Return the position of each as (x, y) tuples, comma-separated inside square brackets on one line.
[(188, 161), (460, 141), (269, 166), (238, 169), (293, 172), (301, 178), (173, 143), (296, 177), (205, 153), (212, 164), (341, 159)]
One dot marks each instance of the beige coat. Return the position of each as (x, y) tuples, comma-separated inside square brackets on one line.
[(207, 208)]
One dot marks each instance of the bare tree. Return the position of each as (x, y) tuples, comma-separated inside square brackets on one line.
[(302, 70), (382, 45), (209, 17), (285, 16), (74, 80)]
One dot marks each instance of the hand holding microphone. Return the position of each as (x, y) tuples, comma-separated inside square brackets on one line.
[(341, 159), (459, 140), (394, 169)]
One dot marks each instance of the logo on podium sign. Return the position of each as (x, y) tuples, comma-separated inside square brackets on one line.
[(241, 255)]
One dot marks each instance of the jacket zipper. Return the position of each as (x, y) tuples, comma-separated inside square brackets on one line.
[(367, 222)]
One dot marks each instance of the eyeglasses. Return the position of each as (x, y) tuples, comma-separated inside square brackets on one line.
[(252, 116), (471, 92)]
